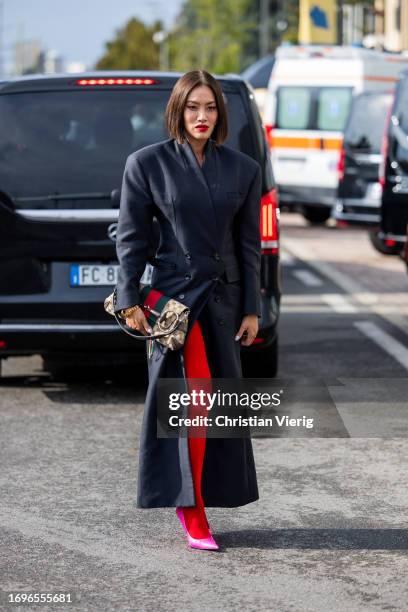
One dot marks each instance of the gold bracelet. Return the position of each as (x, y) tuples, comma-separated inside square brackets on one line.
[(125, 312)]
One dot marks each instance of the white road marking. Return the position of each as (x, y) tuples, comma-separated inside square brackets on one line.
[(301, 298), (386, 342), (307, 309), (287, 259), (339, 303), (356, 291), (307, 278), (332, 274)]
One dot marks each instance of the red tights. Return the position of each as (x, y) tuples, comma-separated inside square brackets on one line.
[(196, 366)]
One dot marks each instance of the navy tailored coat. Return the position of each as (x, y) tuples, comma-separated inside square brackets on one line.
[(209, 258)]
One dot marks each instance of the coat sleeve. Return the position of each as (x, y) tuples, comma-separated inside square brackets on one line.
[(134, 232), (249, 240)]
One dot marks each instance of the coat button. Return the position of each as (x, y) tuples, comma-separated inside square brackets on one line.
[(217, 298), (221, 321), (187, 276), (188, 256), (181, 295), (216, 256)]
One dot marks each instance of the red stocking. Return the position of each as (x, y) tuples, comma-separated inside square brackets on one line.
[(196, 366)]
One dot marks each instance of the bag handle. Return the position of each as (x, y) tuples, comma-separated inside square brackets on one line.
[(141, 336)]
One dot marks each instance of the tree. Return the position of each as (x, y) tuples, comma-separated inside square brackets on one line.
[(211, 35), (132, 48)]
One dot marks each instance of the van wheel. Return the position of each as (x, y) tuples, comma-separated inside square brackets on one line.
[(379, 245), (316, 214), (264, 364)]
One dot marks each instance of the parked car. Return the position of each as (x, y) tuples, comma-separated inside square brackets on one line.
[(394, 172), (359, 192), (64, 140), (257, 74)]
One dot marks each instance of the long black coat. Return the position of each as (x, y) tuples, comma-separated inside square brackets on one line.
[(209, 259)]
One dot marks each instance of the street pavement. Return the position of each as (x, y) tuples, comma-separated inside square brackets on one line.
[(330, 530)]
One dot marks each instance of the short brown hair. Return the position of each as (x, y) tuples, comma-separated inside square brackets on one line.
[(175, 107)]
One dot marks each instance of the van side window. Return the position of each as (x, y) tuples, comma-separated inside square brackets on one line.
[(333, 108), (294, 107)]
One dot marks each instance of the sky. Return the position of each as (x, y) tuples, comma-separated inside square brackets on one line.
[(77, 29)]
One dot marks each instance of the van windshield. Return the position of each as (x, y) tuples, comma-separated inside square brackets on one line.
[(366, 124), (313, 108), (77, 142)]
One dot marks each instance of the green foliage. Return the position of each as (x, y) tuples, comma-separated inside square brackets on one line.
[(212, 35), (132, 48), (208, 34), (291, 16)]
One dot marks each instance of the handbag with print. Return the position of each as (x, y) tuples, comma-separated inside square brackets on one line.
[(167, 317)]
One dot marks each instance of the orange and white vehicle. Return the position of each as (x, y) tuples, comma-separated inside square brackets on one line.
[(307, 104)]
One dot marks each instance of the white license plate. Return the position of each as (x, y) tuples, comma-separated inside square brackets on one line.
[(86, 275), (374, 191)]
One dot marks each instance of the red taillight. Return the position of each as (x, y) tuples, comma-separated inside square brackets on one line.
[(384, 150), (268, 131), (389, 242), (381, 168), (110, 81), (3, 344), (269, 223), (340, 164)]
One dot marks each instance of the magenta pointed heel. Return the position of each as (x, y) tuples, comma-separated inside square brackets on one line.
[(201, 543)]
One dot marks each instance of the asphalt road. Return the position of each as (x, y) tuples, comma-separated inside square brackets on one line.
[(330, 530)]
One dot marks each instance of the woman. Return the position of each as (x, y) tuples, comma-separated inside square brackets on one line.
[(206, 199)]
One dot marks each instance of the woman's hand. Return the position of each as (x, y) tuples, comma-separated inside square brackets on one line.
[(137, 320), (250, 326)]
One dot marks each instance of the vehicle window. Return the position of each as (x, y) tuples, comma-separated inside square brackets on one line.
[(313, 108), (258, 74), (400, 136), (401, 103), (76, 142), (268, 181), (366, 124), (333, 107), (294, 105)]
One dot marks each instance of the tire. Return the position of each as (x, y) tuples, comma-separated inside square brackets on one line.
[(316, 215), (381, 247), (263, 364)]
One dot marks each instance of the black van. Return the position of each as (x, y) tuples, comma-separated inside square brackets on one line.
[(64, 140), (394, 172), (359, 190)]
